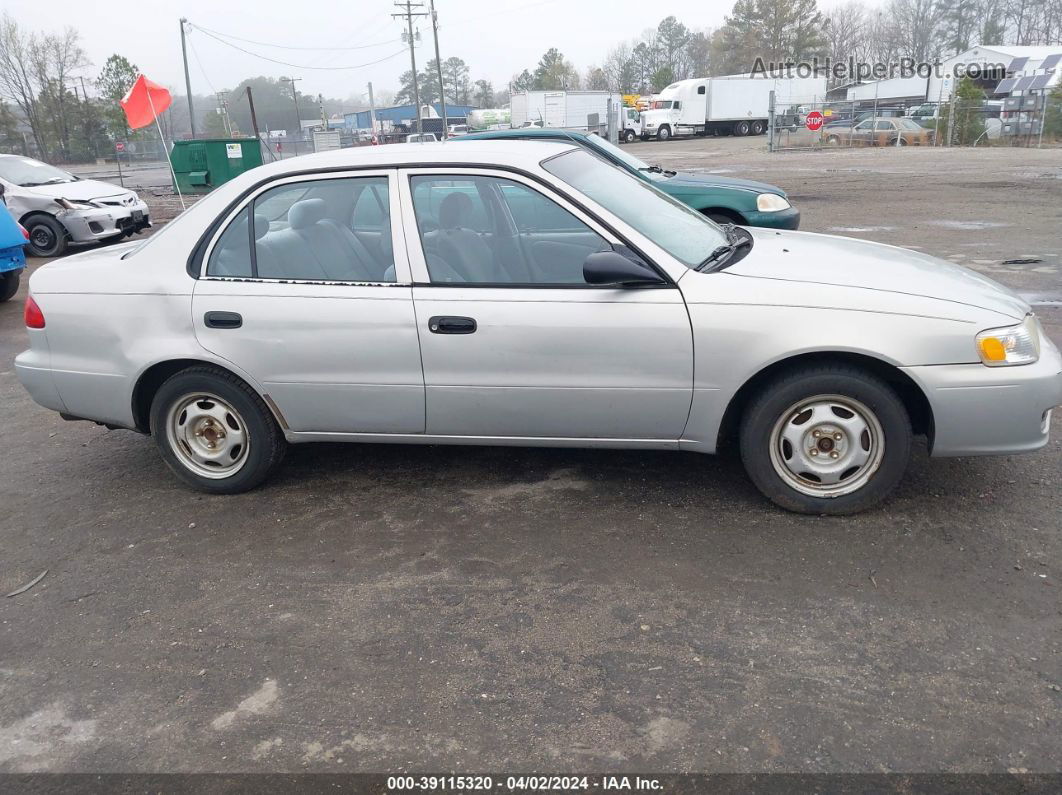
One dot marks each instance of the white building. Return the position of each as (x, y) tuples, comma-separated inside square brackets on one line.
[(1034, 68)]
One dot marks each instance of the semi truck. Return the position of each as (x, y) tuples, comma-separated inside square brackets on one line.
[(729, 105)]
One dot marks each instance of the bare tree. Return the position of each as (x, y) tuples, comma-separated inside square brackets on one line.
[(845, 27), (54, 59), (17, 77)]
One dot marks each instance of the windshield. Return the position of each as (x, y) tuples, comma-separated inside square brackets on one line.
[(662, 104), (682, 232), (27, 172), (613, 151)]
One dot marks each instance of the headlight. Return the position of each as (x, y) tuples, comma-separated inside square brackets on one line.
[(1020, 344), (771, 203), (70, 204)]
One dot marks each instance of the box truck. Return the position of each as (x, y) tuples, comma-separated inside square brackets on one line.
[(586, 111), (731, 105)]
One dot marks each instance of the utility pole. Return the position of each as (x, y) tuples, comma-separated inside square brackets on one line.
[(254, 121), (438, 66), (409, 13), (372, 111), (295, 96), (223, 109), (187, 78)]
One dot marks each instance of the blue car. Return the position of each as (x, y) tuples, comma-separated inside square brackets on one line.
[(12, 258)]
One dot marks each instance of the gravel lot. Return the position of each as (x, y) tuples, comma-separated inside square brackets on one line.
[(382, 608)]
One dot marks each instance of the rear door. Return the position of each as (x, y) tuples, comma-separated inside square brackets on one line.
[(313, 300)]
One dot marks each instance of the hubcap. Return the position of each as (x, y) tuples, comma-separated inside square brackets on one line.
[(827, 446), (207, 435), (42, 237)]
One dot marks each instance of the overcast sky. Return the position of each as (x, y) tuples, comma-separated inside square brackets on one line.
[(495, 37)]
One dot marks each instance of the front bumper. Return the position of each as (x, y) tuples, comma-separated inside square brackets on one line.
[(85, 225), (781, 219), (980, 410)]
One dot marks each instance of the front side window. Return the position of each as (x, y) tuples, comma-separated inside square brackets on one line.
[(681, 231), (321, 230), (489, 230)]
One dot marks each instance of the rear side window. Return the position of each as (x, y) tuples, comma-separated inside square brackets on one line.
[(321, 230), (232, 254)]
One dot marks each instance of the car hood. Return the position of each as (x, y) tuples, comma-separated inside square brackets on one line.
[(684, 181), (81, 190), (847, 262)]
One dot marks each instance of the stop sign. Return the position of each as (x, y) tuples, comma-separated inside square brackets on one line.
[(813, 121), (119, 146)]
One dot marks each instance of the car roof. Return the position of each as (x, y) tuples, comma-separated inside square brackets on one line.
[(522, 155), (547, 133)]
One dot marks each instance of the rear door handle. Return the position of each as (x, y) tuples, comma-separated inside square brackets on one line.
[(223, 319), (444, 324)]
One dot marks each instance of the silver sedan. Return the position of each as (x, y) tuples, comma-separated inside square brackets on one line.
[(528, 293)]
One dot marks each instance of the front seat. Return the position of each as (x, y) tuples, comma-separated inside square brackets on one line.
[(336, 249), (464, 250)]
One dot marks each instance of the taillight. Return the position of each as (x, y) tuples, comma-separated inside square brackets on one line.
[(34, 316), (24, 230)]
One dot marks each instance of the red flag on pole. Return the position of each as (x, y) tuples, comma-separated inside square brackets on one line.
[(144, 102)]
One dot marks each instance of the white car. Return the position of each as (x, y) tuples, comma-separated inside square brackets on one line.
[(530, 293), (58, 208), (421, 138)]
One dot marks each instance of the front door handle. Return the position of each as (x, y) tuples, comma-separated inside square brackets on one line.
[(444, 324), (223, 320)]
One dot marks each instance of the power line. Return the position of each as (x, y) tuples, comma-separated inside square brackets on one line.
[(289, 46), (295, 65)]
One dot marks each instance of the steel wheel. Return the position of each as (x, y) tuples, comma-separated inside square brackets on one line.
[(827, 445), (207, 435)]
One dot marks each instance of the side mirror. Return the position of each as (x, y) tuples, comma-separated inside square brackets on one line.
[(613, 269)]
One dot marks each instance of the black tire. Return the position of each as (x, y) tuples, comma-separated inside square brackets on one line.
[(741, 128), (265, 446), (629, 136), (9, 285), (781, 397), (757, 128), (664, 133), (47, 237), (723, 218)]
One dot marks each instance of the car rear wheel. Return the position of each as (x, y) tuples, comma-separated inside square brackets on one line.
[(757, 128), (47, 237), (214, 431), (826, 440), (9, 285)]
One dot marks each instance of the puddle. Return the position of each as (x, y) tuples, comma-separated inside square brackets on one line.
[(860, 228), (1043, 299), (969, 225)]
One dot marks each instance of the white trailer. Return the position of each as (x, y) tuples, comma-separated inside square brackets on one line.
[(734, 104), (897, 89), (586, 111)]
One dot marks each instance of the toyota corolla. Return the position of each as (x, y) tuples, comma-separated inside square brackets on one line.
[(529, 293)]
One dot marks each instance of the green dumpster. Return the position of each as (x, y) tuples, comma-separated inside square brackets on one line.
[(201, 165)]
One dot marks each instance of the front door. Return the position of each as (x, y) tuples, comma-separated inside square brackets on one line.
[(513, 341), (313, 300)]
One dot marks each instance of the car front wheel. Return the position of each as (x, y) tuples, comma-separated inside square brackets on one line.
[(628, 136), (47, 237), (826, 440), (214, 431), (663, 134)]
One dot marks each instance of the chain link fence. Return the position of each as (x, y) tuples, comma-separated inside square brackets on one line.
[(1033, 120)]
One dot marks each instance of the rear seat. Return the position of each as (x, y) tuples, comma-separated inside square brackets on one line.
[(314, 247)]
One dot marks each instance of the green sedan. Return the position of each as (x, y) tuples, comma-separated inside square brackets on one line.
[(724, 200)]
